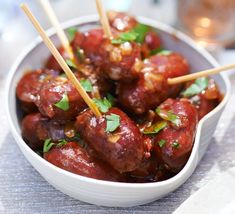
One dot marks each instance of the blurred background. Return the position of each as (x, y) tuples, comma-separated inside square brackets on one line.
[(209, 22)]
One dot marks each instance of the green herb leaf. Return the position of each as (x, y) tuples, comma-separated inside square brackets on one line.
[(169, 116), (47, 145), (155, 128), (80, 54), (161, 143), (71, 33), (175, 144), (197, 87), (103, 104), (125, 37), (63, 103), (141, 30), (62, 142), (86, 84), (112, 122), (164, 52), (71, 64), (111, 99), (156, 51)]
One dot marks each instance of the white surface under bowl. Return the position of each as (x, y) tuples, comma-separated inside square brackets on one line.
[(114, 193)]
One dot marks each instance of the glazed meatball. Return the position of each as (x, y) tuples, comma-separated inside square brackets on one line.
[(123, 149)]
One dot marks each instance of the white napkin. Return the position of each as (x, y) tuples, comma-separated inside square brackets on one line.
[(216, 197)]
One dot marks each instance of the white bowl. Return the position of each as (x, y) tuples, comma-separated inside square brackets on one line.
[(114, 193)]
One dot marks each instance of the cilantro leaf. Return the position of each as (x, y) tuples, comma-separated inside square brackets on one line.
[(103, 104), (71, 64), (80, 54), (86, 84), (155, 128), (169, 116), (197, 87), (175, 144), (63, 103), (62, 142), (141, 30), (47, 145), (125, 37), (161, 143), (111, 99), (156, 51), (112, 122), (71, 33), (164, 52)]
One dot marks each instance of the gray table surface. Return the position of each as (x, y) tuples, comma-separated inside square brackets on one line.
[(23, 190)]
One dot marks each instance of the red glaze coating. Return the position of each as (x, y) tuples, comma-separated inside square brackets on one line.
[(75, 159), (29, 86), (53, 64), (175, 157), (151, 89), (52, 92), (123, 149)]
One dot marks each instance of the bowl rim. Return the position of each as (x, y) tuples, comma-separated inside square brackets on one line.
[(94, 18)]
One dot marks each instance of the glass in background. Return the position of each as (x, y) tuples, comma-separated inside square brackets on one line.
[(210, 22)]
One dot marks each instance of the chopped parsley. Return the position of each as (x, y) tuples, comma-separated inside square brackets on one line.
[(86, 84), (141, 30), (137, 34), (175, 144), (164, 52), (47, 145), (156, 51), (155, 128), (112, 122), (80, 54), (169, 116), (161, 143), (63, 103), (197, 87), (71, 64), (103, 104), (71, 33)]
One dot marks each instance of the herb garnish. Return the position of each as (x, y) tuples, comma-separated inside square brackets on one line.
[(137, 34), (103, 104), (161, 143), (80, 54), (47, 145), (155, 128), (71, 33), (141, 30), (112, 122), (86, 84), (175, 144), (125, 37), (169, 116), (197, 87), (164, 52), (63, 103), (71, 64), (156, 51)]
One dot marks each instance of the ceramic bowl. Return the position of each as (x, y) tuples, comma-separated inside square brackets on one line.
[(104, 192)]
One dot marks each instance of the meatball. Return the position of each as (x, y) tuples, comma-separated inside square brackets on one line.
[(60, 90), (152, 88), (174, 143), (73, 158), (123, 149), (29, 85)]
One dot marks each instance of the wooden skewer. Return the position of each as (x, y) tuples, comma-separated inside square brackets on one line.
[(204, 73), (54, 21), (103, 19), (60, 60)]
